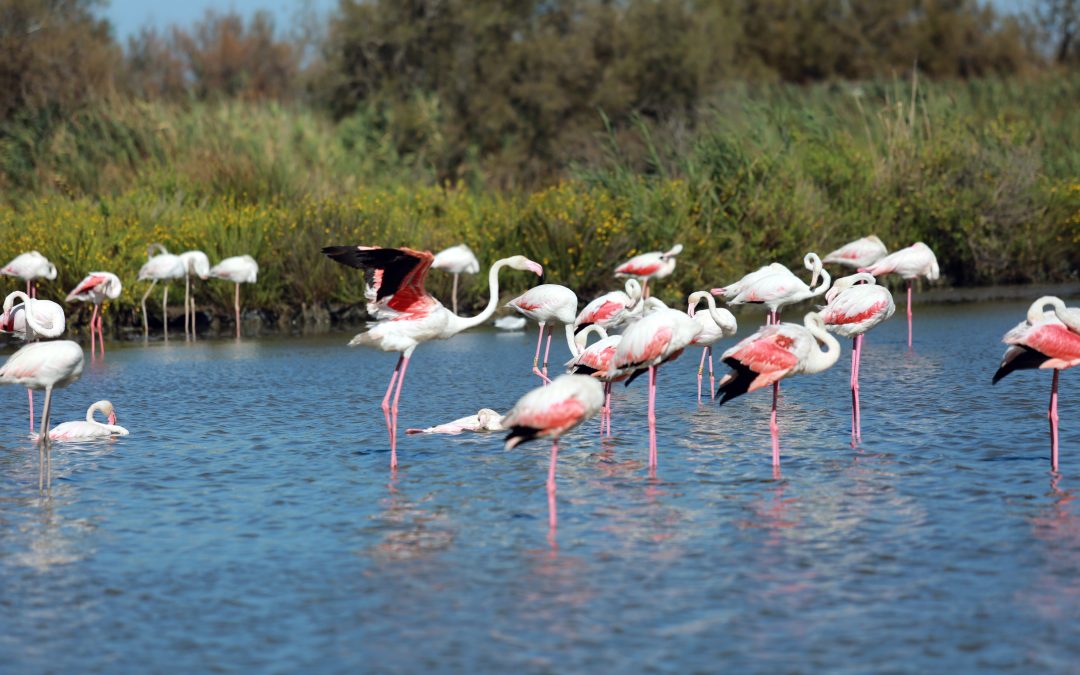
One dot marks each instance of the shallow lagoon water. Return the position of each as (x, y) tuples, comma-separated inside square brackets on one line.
[(250, 521)]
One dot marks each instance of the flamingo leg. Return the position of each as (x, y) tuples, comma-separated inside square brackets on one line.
[(193, 336), (29, 290), (453, 297), (93, 328), (101, 330), (858, 411), (553, 519), (43, 443), (165, 310), (145, 324), (536, 356), (712, 378), (1053, 415), (607, 406), (645, 289), (187, 304), (652, 417), (774, 428), (394, 412), (389, 393), (909, 314), (700, 372), (238, 312), (547, 351), (30, 395)]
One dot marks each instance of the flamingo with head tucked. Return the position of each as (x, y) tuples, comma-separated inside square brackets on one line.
[(651, 265), (485, 419), (456, 260), (408, 314), (549, 412), (239, 269), (44, 365), (1044, 340), (547, 303), (595, 361), (611, 310), (910, 263), (30, 267), (774, 352), (716, 324), (855, 305), (96, 287), (859, 253), (89, 429), (195, 263), (30, 320), (161, 267)]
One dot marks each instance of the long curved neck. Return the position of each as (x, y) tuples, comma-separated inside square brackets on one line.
[(826, 281), (9, 301), (819, 360), (97, 407), (581, 340), (1034, 315), (717, 317), (460, 323), (29, 316)]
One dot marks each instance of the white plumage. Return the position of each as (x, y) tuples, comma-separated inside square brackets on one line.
[(89, 429), (859, 253)]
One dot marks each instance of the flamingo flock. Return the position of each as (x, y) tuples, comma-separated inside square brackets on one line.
[(637, 333)]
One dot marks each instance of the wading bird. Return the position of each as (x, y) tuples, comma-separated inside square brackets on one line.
[(595, 361), (195, 263), (409, 314), (95, 288), (1044, 340), (651, 265), (161, 267), (549, 412), (716, 324), (30, 320), (780, 289), (485, 419), (30, 267), (89, 429), (44, 365), (456, 260), (855, 305), (859, 253), (612, 309), (544, 304), (239, 269), (910, 263), (773, 353)]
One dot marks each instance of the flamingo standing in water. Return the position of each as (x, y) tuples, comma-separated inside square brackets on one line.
[(44, 365), (195, 263), (409, 315), (31, 320), (595, 361), (658, 337), (29, 267), (651, 265), (161, 267), (716, 324), (612, 309), (1044, 340), (548, 303), (910, 263), (239, 269), (549, 412), (780, 289), (456, 260), (856, 304), (89, 429), (859, 253), (774, 352), (96, 287)]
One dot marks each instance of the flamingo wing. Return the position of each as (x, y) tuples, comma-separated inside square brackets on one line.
[(858, 305), (396, 274), (761, 359), (91, 282)]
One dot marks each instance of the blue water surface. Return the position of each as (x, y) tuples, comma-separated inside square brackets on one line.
[(250, 520)]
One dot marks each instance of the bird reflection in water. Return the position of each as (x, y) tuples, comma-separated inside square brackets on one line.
[(1055, 592), (413, 532)]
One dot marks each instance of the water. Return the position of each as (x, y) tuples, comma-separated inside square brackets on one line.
[(250, 520)]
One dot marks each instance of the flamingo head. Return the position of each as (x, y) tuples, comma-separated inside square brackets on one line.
[(7, 320), (109, 410), (520, 262), (489, 419)]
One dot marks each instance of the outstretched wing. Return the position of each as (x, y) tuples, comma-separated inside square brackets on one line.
[(395, 274)]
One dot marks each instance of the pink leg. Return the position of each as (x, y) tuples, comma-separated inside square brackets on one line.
[(607, 405), (394, 411), (712, 378), (645, 290), (851, 384), (858, 412), (93, 327), (652, 417), (101, 332), (30, 395), (774, 427), (909, 314), (1053, 415), (547, 351), (553, 518), (536, 357), (33, 289), (700, 370), (389, 391)]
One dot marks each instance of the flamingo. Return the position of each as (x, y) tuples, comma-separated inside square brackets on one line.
[(456, 260), (595, 361), (30, 320), (859, 253), (95, 288), (44, 365), (658, 337), (409, 315), (547, 303), (1044, 340), (774, 352), (30, 266), (780, 289), (855, 305), (239, 269), (89, 429), (910, 263), (195, 262), (733, 289), (549, 412), (651, 265), (160, 267), (611, 309), (716, 324), (485, 419)]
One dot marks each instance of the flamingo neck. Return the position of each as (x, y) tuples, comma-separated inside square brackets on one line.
[(1034, 315), (717, 317), (819, 360), (459, 323), (97, 407), (9, 301), (581, 340)]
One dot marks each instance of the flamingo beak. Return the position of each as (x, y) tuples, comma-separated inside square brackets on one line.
[(535, 268), (7, 322), (112, 418), (718, 292)]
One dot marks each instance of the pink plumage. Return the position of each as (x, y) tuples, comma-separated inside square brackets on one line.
[(545, 304), (611, 309), (858, 253)]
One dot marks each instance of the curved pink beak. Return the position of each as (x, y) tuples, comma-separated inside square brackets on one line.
[(7, 321), (112, 417), (718, 292), (535, 267)]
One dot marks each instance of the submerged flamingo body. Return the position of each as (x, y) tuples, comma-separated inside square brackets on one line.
[(89, 429)]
